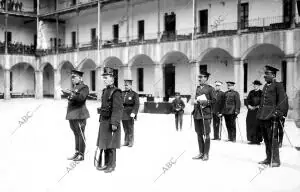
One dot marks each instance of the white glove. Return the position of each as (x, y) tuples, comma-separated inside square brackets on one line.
[(132, 115)]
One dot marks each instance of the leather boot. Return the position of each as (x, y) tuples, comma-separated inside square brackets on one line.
[(80, 157), (200, 156), (205, 157), (264, 162), (74, 156)]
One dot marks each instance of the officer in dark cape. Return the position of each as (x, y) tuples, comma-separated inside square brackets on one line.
[(109, 136), (77, 113), (272, 109)]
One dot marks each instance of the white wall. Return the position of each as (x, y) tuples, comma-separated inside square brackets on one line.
[(148, 79), (66, 82), (183, 79), (23, 79)]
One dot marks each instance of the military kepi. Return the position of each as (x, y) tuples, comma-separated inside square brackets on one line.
[(75, 72), (108, 71), (177, 94), (230, 83), (271, 69), (128, 81), (219, 83), (204, 73)]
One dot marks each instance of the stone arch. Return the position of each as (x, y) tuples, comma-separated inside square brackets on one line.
[(218, 62), (174, 57), (23, 79), (43, 65), (262, 45), (210, 50), (88, 66), (48, 80), (259, 55), (143, 73), (176, 74), (65, 68), (140, 60), (62, 63), (113, 62), (87, 63)]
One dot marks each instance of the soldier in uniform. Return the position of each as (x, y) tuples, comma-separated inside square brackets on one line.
[(231, 109), (202, 113), (77, 113), (109, 135), (131, 105), (272, 109), (217, 110), (178, 108)]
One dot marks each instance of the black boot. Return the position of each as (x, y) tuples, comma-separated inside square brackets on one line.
[(80, 157), (74, 156), (205, 157), (200, 156), (264, 162)]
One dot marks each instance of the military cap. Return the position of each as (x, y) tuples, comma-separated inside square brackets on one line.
[(177, 94), (108, 71), (218, 83), (205, 73), (257, 82), (230, 83), (128, 81), (75, 72), (271, 69)]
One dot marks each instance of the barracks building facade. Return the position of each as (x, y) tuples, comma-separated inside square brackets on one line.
[(161, 44)]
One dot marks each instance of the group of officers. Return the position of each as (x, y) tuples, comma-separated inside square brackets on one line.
[(267, 110)]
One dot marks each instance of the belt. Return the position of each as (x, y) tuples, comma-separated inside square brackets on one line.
[(127, 105)]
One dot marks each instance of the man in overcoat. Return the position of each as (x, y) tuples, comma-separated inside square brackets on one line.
[(109, 135), (217, 110), (77, 113)]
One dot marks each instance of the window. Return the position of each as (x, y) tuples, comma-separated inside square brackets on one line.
[(35, 40), (170, 23), (93, 34), (141, 29), (9, 37), (11, 81), (244, 15), (93, 80), (116, 33), (73, 2), (287, 10), (140, 77), (73, 36), (245, 77), (203, 21), (283, 74), (116, 72)]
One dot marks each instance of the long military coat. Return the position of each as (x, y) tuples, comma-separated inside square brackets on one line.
[(106, 138), (274, 99), (131, 104), (76, 104)]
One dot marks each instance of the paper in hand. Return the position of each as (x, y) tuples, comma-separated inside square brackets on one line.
[(202, 98)]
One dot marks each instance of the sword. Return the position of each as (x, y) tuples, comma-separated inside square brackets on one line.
[(220, 126), (204, 135), (273, 131), (239, 128)]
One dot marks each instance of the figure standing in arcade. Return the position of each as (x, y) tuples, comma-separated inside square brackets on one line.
[(178, 109)]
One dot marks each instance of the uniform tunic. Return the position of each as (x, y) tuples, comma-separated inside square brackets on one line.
[(217, 109), (105, 139), (274, 102)]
